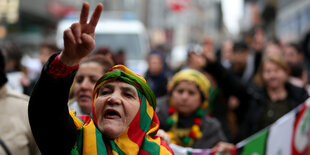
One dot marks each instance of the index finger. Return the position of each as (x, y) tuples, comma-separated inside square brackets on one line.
[(84, 13), (96, 15)]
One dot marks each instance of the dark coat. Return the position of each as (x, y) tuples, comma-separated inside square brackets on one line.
[(257, 104), (252, 98)]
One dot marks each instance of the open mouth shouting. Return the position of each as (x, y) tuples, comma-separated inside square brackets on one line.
[(111, 114)]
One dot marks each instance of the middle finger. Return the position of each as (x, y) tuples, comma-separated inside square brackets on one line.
[(96, 15)]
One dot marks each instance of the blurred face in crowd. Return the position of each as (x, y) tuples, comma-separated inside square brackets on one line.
[(291, 55), (196, 61), (155, 64), (186, 97), (239, 61), (45, 54), (85, 81), (227, 50), (273, 75), (273, 50), (259, 39), (116, 106)]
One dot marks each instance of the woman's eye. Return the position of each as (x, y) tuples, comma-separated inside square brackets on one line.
[(191, 92), (104, 92), (180, 91), (79, 80), (93, 81), (128, 95)]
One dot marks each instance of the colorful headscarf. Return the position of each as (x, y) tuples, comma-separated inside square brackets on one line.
[(139, 137), (192, 76)]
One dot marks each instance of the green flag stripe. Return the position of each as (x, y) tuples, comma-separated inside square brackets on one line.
[(150, 147), (116, 148), (257, 144), (145, 120), (101, 149)]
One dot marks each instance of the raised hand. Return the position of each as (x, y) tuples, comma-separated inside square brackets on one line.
[(79, 39)]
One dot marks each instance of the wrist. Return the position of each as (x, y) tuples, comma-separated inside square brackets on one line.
[(70, 62), (59, 70)]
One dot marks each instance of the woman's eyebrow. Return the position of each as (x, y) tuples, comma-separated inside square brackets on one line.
[(109, 86), (129, 89)]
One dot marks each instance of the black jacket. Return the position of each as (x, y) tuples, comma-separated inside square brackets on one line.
[(252, 98), (50, 122)]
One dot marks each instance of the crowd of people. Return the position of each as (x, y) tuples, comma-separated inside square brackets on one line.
[(81, 104)]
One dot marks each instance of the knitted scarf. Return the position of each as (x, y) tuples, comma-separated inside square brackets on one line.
[(139, 137)]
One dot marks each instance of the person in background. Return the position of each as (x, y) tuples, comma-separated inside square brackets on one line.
[(156, 76), (15, 133), (183, 114), (123, 119), (106, 52), (17, 78), (273, 48), (226, 53), (262, 102), (120, 57), (90, 70), (275, 95), (242, 62), (294, 57), (46, 49)]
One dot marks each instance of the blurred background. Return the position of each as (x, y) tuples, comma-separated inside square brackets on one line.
[(169, 25), (172, 23)]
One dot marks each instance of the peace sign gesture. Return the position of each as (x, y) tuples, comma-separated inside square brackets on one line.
[(79, 39)]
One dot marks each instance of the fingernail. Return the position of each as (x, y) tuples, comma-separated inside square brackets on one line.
[(80, 41)]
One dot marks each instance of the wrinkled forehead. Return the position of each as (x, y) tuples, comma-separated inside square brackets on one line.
[(118, 84)]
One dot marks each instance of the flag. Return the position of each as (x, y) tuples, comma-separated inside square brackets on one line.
[(301, 131), (255, 145), (280, 135)]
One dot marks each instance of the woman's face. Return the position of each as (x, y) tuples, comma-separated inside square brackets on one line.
[(155, 64), (186, 97), (273, 75), (291, 55), (115, 107), (86, 78)]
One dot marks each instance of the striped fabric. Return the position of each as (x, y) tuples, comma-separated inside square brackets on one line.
[(139, 137)]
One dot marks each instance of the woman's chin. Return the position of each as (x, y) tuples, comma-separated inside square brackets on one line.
[(111, 130)]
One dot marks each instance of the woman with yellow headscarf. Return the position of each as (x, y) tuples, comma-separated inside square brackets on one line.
[(123, 118), (183, 115)]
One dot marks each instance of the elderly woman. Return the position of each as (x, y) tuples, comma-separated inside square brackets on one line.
[(183, 115), (123, 120)]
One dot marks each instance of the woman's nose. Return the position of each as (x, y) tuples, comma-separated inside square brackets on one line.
[(114, 98), (184, 95), (86, 84)]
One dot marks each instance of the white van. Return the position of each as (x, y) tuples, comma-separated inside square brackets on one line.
[(118, 34)]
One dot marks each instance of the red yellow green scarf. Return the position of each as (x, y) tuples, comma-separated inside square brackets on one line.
[(139, 138)]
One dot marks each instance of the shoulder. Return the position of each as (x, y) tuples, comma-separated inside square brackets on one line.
[(13, 96), (162, 104), (211, 123), (298, 93)]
